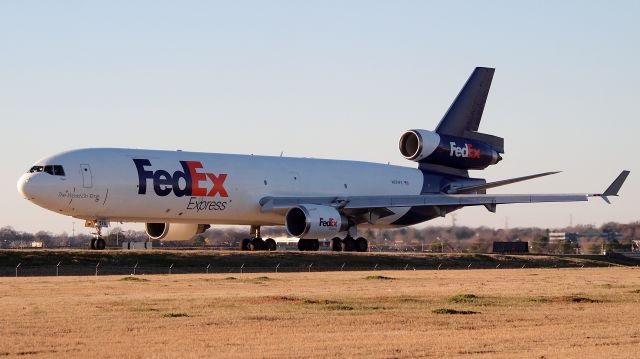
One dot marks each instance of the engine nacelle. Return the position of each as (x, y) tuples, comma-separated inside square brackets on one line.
[(174, 231), (430, 147), (315, 221)]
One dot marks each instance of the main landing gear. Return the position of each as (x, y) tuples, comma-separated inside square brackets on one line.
[(256, 243), (349, 244)]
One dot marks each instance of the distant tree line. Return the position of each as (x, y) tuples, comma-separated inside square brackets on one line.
[(431, 239)]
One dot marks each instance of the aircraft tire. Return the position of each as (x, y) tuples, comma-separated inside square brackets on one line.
[(244, 244), (270, 244), (302, 244), (362, 245), (314, 245), (92, 245), (349, 244), (100, 244), (336, 244), (257, 244)]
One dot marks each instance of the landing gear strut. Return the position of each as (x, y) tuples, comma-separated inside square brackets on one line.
[(256, 243)]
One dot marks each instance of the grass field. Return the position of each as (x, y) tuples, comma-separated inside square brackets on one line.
[(493, 313)]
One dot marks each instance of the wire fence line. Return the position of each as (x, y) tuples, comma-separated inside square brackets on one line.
[(22, 270)]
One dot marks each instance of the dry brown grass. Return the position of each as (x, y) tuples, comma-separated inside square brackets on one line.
[(532, 313)]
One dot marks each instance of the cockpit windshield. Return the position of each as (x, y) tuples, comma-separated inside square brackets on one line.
[(54, 170)]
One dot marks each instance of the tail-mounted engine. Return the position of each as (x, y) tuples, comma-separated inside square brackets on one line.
[(315, 221), (430, 147)]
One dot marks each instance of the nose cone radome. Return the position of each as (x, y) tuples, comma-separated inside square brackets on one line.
[(23, 186)]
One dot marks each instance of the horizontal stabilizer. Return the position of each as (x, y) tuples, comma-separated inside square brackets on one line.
[(614, 187), (477, 188)]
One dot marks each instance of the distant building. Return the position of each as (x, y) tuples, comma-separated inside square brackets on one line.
[(37, 244)]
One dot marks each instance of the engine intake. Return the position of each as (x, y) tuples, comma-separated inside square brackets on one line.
[(174, 231), (315, 221)]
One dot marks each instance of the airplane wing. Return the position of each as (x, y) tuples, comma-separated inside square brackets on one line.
[(436, 199)]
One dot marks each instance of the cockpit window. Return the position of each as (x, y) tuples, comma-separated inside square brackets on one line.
[(54, 170), (58, 170)]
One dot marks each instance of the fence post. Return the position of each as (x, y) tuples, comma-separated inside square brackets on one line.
[(134, 268), (241, 268), (208, 265), (18, 266), (407, 266), (439, 265), (277, 267), (469, 267), (498, 266), (375, 267), (170, 267), (310, 265), (342, 268), (97, 265), (57, 266)]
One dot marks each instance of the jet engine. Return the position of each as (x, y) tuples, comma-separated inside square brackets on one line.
[(431, 147), (315, 221), (174, 231)]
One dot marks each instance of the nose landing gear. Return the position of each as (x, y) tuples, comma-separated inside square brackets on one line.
[(97, 242)]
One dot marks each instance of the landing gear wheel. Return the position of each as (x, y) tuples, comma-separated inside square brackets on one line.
[(270, 244), (362, 245), (349, 244), (314, 245), (100, 244), (336, 244), (302, 244), (257, 244), (244, 244), (93, 243)]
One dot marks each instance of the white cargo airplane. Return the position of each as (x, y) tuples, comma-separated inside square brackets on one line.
[(179, 194)]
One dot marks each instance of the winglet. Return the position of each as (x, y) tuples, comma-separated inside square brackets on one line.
[(614, 187)]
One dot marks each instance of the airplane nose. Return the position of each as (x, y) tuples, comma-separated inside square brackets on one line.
[(23, 187)]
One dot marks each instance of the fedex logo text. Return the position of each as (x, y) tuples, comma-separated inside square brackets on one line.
[(466, 152), (196, 182), (328, 223)]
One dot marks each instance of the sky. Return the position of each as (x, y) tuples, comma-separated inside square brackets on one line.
[(327, 79)]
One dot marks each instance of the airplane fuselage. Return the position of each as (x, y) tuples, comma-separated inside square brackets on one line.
[(130, 185)]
